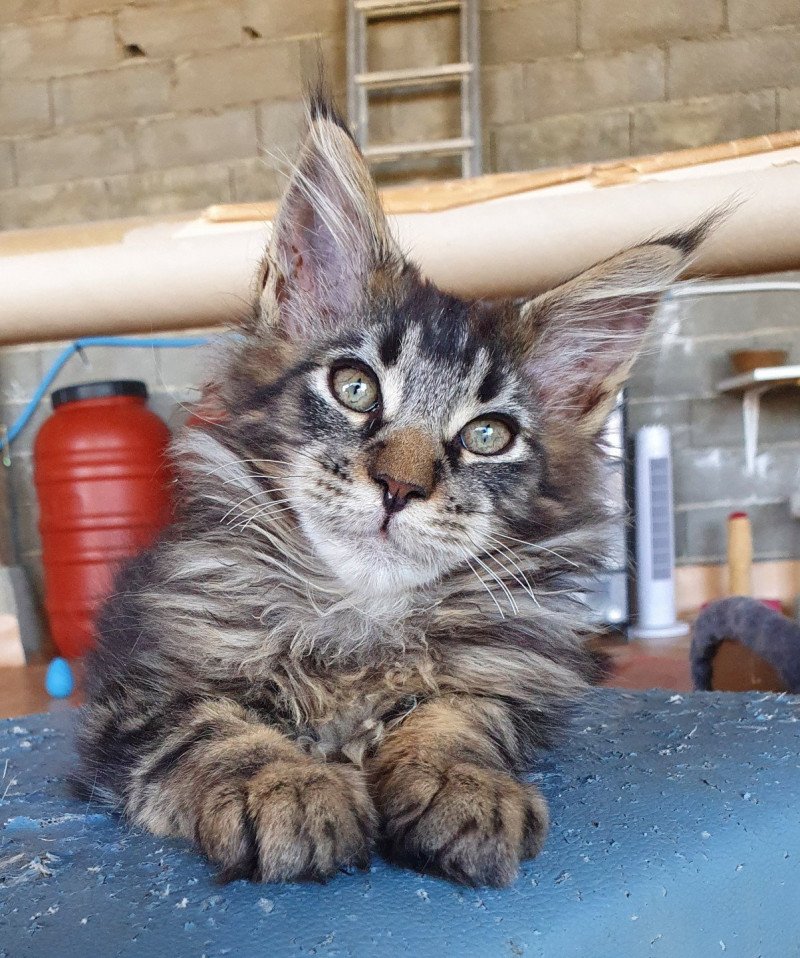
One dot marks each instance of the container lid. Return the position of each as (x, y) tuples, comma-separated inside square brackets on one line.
[(98, 390)]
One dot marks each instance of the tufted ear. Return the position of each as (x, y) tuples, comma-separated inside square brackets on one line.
[(583, 336), (329, 234)]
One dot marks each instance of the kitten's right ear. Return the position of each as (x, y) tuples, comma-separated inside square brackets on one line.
[(582, 337), (329, 235)]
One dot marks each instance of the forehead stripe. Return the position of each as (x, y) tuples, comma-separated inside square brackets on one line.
[(492, 383), (391, 341)]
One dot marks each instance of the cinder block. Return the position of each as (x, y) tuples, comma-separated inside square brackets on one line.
[(277, 19), (257, 179), (690, 123), (197, 138), (133, 89), (617, 25), (24, 107), (177, 28), (742, 313), (72, 154), (718, 474), (718, 421), (672, 413), (700, 534), (17, 11), (54, 47), (677, 368), (727, 64), (80, 8), (747, 15), (526, 32), (183, 371), (583, 84), (53, 204), (158, 192), (24, 504), (242, 75), (502, 95), (398, 43), (789, 109), (7, 166), (20, 373), (331, 50), (10, 412), (421, 115), (281, 126), (560, 140), (34, 567)]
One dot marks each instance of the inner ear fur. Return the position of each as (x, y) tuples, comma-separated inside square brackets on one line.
[(329, 235), (581, 339)]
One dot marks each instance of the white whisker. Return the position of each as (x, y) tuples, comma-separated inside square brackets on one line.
[(467, 554)]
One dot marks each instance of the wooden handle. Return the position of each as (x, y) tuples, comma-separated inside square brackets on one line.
[(740, 554)]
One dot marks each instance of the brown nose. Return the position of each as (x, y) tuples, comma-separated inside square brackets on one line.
[(405, 465), (396, 493)]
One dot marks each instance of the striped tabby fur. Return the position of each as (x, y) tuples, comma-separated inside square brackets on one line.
[(294, 674)]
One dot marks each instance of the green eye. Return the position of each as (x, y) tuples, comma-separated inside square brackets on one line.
[(487, 436), (355, 388)]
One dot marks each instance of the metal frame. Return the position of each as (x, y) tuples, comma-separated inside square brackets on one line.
[(360, 80)]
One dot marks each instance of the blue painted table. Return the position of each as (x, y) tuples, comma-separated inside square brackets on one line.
[(676, 833)]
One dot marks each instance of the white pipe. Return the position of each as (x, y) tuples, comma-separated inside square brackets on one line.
[(686, 290), (170, 276)]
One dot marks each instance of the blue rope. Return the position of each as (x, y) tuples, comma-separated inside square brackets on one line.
[(87, 341)]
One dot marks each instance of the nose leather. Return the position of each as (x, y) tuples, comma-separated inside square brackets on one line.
[(405, 465), (396, 494)]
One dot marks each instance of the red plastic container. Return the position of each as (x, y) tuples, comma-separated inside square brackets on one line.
[(104, 493)]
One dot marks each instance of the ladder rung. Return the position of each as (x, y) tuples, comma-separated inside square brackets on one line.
[(401, 8), (386, 79), (391, 151)]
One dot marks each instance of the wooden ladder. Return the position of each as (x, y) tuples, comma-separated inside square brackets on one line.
[(360, 81)]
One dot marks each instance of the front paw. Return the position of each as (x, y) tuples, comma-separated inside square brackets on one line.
[(292, 821), (467, 823)]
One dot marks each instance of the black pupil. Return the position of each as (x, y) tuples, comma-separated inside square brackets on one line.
[(357, 389)]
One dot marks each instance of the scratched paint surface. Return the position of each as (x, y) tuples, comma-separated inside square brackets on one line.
[(676, 833)]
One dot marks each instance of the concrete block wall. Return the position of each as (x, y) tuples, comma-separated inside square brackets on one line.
[(122, 107), (674, 384)]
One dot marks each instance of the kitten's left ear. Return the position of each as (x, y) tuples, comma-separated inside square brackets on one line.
[(582, 337), (329, 234)]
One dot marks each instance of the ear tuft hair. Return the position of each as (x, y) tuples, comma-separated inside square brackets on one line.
[(688, 240), (583, 336), (330, 233), (320, 106)]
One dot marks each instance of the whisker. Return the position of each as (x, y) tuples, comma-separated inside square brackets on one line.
[(510, 555), (536, 545), (499, 581), (259, 511), (482, 582)]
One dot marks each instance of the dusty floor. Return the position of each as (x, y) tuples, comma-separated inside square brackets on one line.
[(637, 666)]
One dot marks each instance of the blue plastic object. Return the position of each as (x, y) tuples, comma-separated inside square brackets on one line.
[(675, 834), (58, 679)]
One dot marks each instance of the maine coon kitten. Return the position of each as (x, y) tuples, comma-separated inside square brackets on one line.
[(363, 625)]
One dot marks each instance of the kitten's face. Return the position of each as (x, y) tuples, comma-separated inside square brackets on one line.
[(416, 435), (413, 432)]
